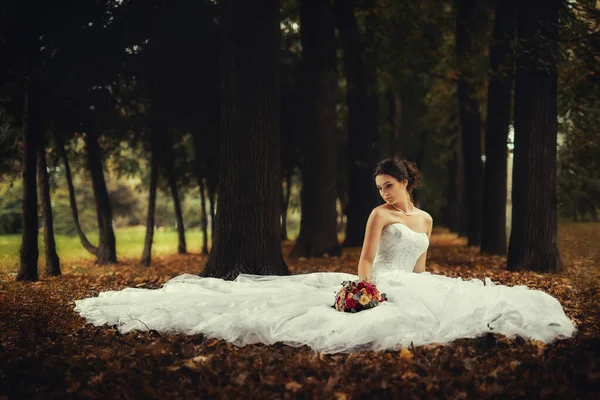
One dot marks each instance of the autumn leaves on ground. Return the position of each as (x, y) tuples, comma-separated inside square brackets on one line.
[(47, 351)]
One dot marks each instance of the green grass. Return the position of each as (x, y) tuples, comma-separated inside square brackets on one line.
[(577, 242), (130, 243)]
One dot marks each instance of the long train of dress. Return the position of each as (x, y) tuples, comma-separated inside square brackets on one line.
[(296, 310)]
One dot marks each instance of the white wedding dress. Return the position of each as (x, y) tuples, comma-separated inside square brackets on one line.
[(296, 310)]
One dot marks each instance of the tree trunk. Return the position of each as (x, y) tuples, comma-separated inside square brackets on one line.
[(451, 211), (52, 260), (247, 224), (204, 220), (200, 173), (72, 199), (470, 119), (461, 190), (154, 167), (212, 207), (211, 172), (286, 203), (181, 246), (534, 194), (362, 125), (493, 235), (29, 253), (107, 249), (318, 224)]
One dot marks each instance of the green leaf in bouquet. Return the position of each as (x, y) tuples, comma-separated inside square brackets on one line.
[(356, 297)]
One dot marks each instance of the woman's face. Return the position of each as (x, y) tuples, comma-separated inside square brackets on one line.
[(390, 189)]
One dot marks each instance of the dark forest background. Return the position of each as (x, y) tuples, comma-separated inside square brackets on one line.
[(155, 114)]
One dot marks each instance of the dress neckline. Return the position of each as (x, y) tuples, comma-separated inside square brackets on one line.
[(407, 227)]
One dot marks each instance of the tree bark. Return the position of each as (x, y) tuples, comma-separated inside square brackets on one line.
[(470, 119), (318, 224), (362, 125), (181, 246), (203, 216), (461, 189), (52, 260), (247, 224), (493, 234), (212, 209), (285, 195), (534, 193), (72, 199), (107, 249), (154, 167), (29, 253)]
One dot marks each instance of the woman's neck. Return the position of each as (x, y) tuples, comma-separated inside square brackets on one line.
[(404, 204)]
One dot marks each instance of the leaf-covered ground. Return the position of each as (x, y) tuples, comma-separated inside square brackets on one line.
[(47, 351)]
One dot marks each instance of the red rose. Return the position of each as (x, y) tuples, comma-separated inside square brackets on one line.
[(350, 303)]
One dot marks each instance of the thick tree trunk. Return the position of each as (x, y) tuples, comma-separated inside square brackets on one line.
[(247, 227), (107, 249), (493, 234), (285, 195), (154, 167), (470, 119), (181, 246), (534, 194), (212, 209), (362, 125), (318, 224), (52, 260), (203, 216), (29, 252), (72, 199)]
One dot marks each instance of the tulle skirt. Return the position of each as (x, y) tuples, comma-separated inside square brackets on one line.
[(296, 310)]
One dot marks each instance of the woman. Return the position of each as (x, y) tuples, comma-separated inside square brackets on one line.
[(296, 310)]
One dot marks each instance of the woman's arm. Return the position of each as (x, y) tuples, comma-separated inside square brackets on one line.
[(420, 265), (375, 224)]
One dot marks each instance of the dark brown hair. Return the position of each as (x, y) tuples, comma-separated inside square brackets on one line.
[(402, 170)]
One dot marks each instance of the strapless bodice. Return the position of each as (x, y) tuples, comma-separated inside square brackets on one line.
[(399, 249)]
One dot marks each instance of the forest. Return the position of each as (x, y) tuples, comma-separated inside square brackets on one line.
[(140, 140)]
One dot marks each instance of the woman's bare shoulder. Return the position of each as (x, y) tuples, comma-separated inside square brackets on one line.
[(425, 215), (380, 213)]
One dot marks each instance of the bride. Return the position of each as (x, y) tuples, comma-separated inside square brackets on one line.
[(296, 310)]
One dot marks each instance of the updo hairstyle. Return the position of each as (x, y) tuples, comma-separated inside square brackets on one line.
[(402, 170)]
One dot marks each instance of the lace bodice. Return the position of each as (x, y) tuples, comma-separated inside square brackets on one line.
[(399, 248)]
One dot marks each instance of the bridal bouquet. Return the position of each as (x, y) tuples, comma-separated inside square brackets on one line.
[(354, 297)]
